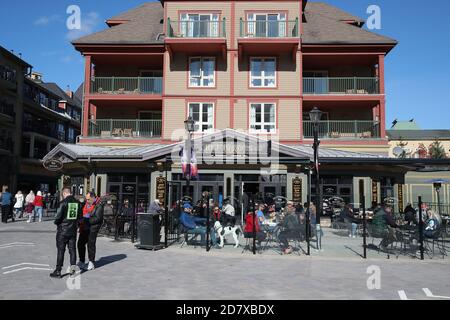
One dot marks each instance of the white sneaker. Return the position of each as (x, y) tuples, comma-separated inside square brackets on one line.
[(28, 221), (90, 266), (40, 220), (349, 235), (354, 237)]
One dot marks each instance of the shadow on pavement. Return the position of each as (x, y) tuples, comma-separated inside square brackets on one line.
[(109, 259)]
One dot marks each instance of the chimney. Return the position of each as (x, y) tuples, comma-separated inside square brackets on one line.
[(69, 92), (36, 76)]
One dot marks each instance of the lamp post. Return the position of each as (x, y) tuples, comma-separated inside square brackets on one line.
[(437, 186), (189, 125), (315, 115)]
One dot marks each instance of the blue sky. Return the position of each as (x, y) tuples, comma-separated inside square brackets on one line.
[(417, 70)]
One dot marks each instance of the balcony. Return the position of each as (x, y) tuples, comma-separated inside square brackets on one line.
[(255, 35), (125, 128), (127, 86), (343, 129), (190, 36), (7, 110), (341, 86), (8, 78), (6, 144)]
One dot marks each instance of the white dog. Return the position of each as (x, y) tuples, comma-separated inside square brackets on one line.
[(223, 231)]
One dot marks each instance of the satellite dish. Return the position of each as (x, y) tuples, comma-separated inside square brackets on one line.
[(398, 151)]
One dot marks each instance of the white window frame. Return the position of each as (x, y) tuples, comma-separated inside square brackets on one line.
[(252, 122), (202, 76), (200, 124), (263, 76), (252, 23), (187, 25)]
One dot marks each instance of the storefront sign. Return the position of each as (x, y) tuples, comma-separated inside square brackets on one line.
[(374, 191), (161, 190), (400, 198), (129, 188), (297, 190), (53, 165)]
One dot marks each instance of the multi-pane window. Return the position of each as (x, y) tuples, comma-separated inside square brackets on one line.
[(263, 72), (262, 118), (61, 132), (203, 115), (71, 135), (194, 25), (202, 72), (263, 25)]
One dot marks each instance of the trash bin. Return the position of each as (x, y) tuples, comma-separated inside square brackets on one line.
[(149, 231)]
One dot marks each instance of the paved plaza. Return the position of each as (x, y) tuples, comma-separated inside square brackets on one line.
[(28, 254)]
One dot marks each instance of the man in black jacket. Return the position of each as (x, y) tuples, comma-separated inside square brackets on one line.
[(67, 216)]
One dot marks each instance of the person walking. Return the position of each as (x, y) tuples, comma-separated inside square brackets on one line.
[(38, 206), (5, 197), (29, 205), (90, 225), (67, 216), (18, 206)]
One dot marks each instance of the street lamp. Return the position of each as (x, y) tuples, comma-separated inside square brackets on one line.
[(315, 115), (437, 186), (189, 125)]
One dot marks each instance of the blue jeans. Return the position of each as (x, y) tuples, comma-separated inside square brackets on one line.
[(202, 232), (354, 228), (18, 212), (38, 211)]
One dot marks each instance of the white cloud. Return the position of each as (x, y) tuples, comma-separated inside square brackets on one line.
[(89, 22), (67, 59), (46, 20)]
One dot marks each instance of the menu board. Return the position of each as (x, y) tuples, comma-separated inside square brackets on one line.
[(400, 198), (374, 191), (161, 190), (297, 190)]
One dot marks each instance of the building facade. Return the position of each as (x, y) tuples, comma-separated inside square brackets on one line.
[(245, 71), (408, 140), (34, 118)]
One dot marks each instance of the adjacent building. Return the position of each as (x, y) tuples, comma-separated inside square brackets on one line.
[(35, 117), (408, 140), (248, 72)]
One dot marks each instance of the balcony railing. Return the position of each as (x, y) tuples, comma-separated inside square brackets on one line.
[(125, 128), (126, 85), (343, 129), (269, 29), (196, 29), (351, 85), (7, 109)]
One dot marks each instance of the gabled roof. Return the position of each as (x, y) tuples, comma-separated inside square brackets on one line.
[(329, 11), (321, 29), (55, 89), (325, 24), (418, 135), (155, 151), (144, 27)]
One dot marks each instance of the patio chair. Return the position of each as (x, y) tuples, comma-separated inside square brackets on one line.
[(105, 134), (185, 236), (117, 132), (127, 133), (436, 241)]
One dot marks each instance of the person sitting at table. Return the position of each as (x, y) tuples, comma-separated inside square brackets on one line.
[(391, 226), (291, 229), (216, 214), (410, 215), (252, 225), (195, 224), (260, 214), (432, 224)]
